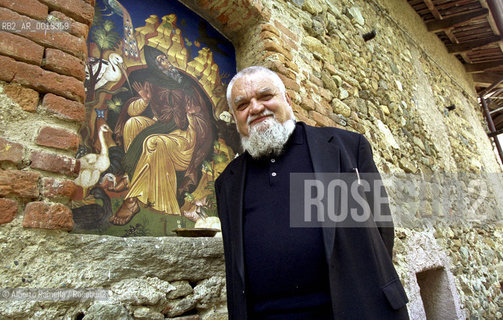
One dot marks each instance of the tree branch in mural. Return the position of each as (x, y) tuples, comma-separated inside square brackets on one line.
[(177, 137)]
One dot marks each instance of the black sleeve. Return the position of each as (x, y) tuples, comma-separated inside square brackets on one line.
[(221, 204)]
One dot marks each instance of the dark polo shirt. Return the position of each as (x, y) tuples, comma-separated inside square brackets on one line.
[(286, 268)]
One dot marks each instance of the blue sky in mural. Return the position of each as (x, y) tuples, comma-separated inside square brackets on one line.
[(189, 22)]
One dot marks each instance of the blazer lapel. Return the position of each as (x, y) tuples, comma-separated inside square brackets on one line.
[(235, 190), (325, 156)]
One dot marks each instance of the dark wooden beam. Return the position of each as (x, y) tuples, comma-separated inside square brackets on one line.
[(432, 9), (448, 23), (497, 13), (487, 78), (467, 46), (494, 134), (481, 67), (498, 121)]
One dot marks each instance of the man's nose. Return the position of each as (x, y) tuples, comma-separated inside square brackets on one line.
[(256, 106)]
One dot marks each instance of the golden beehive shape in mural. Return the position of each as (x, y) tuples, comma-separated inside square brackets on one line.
[(169, 38)]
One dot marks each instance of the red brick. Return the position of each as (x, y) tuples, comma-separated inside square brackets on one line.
[(19, 183), (305, 120), (47, 216), (8, 69), (26, 98), (57, 138), (278, 67), (223, 18), (317, 81), (321, 119), (260, 11), (8, 210), (47, 81), (294, 96), (289, 83), (10, 151), (289, 43), (205, 4), (270, 28), (311, 87), (275, 47), (289, 64), (64, 108), (268, 35), (323, 107), (76, 28), (20, 48), (326, 94), (31, 8), (64, 63), (57, 39), (300, 111), (57, 189), (220, 6), (75, 9), (307, 103), (286, 31), (54, 163)]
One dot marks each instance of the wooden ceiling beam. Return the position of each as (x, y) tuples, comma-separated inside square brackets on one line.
[(449, 23), (432, 9), (487, 78), (481, 67), (495, 17), (468, 46)]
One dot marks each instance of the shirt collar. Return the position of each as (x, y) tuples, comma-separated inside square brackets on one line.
[(297, 136)]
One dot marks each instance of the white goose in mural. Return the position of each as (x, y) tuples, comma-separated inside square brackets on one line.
[(92, 164), (111, 69)]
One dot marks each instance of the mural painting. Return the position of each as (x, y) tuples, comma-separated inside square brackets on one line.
[(157, 131)]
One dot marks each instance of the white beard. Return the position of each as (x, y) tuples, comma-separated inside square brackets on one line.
[(268, 137)]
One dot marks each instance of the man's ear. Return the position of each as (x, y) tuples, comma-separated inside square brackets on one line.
[(288, 100)]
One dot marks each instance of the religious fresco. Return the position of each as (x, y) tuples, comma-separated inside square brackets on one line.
[(157, 131)]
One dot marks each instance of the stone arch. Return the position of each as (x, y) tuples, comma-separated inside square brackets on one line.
[(258, 39), (238, 20)]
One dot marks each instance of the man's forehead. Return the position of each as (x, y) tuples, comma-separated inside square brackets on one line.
[(258, 82)]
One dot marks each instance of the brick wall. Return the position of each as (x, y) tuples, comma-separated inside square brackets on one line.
[(42, 75)]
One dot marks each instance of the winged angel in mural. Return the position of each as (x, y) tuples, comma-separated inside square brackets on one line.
[(164, 111)]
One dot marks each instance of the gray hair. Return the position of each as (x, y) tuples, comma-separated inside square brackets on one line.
[(252, 70)]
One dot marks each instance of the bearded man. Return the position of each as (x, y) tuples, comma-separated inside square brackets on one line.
[(273, 270)]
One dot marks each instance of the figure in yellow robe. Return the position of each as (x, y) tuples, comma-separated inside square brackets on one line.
[(175, 137)]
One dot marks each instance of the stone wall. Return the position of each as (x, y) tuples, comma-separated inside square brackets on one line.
[(146, 278), (394, 89)]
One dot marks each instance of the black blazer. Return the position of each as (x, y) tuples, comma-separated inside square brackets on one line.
[(363, 280)]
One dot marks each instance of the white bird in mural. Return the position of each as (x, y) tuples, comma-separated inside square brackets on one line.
[(92, 164), (111, 69)]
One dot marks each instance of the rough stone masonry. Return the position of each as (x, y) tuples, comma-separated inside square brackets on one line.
[(393, 88)]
